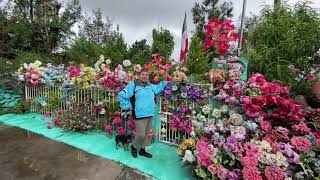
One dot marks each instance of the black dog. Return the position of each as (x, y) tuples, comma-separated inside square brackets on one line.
[(124, 139)]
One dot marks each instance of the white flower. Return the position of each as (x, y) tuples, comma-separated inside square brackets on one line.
[(188, 157), (174, 88), (216, 113), (318, 52), (108, 61), (21, 77), (103, 111), (192, 134), (206, 109), (126, 63), (122, 75), (224, 108), (183, 95), (236, 119), (101, 58)]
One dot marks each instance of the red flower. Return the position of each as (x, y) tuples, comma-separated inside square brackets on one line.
[(261, 101), (121, 130), (116, 120), (253, 111), (265, 126)]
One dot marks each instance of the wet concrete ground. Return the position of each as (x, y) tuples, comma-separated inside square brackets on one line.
[(28, 156)]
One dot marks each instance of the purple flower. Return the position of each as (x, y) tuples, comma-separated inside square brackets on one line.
[(231, 144), (218, 140), (194, 93), (168, 90), (234, 175)]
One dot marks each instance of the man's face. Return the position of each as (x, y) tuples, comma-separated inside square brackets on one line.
[(144, 77)]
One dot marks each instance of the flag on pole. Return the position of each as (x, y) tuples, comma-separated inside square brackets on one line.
[(184, 40)]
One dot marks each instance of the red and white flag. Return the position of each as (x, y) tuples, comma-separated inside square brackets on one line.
[(184, 40)]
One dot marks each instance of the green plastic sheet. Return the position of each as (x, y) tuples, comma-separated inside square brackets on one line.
[(165, 164)]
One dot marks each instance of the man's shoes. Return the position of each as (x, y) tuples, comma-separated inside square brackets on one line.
[(134, 151), (143, 152)]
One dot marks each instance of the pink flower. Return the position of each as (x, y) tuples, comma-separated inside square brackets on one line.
[(116, 120), (108, 128), (249, 161), (246, 100), (301, 129), (274, 173), (221, 172), (252, 150), (47, 114), (251, 173), (311, 77), (265, 126), (74, 72), (121, 130), (49, 126), (203, 158), (301, 144), (211, 151)]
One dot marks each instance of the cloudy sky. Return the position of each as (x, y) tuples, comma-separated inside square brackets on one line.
[(137, 18)]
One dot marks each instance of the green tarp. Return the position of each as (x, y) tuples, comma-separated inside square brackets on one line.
[(165, 164)]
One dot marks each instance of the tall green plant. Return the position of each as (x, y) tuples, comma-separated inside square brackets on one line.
[(282, 38)]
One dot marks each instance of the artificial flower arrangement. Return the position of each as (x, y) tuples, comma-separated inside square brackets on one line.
[(256, 130), (264, 137), (82, 76), (77, 117), (158, 68), (30, 73), (221, 37)]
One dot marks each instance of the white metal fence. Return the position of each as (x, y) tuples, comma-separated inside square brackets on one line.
[(92, 97)]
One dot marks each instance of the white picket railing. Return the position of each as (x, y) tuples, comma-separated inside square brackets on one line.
[(95, 95), (166, 134)]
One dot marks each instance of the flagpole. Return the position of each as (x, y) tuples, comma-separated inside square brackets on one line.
[(241, 26)]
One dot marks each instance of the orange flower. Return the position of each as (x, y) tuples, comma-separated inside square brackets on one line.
[(217, 76)]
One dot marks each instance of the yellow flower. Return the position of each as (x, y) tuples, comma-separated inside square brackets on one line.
[(183, 146), (78, 79), (20, 69)]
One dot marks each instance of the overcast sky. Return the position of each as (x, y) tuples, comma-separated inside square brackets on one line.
[(137, 18)]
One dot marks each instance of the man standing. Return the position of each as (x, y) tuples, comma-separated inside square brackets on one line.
[(138, 96)]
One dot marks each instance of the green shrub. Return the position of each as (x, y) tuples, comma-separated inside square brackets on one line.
[(289, 36)]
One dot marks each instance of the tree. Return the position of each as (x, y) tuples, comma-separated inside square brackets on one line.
[(139, 52), (283, 38), (41, 26), (163, 43), (209, 9), (4, 36), (97, 29), (197, 60)]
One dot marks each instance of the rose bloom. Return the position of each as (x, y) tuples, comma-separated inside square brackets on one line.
[(236, 119)]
